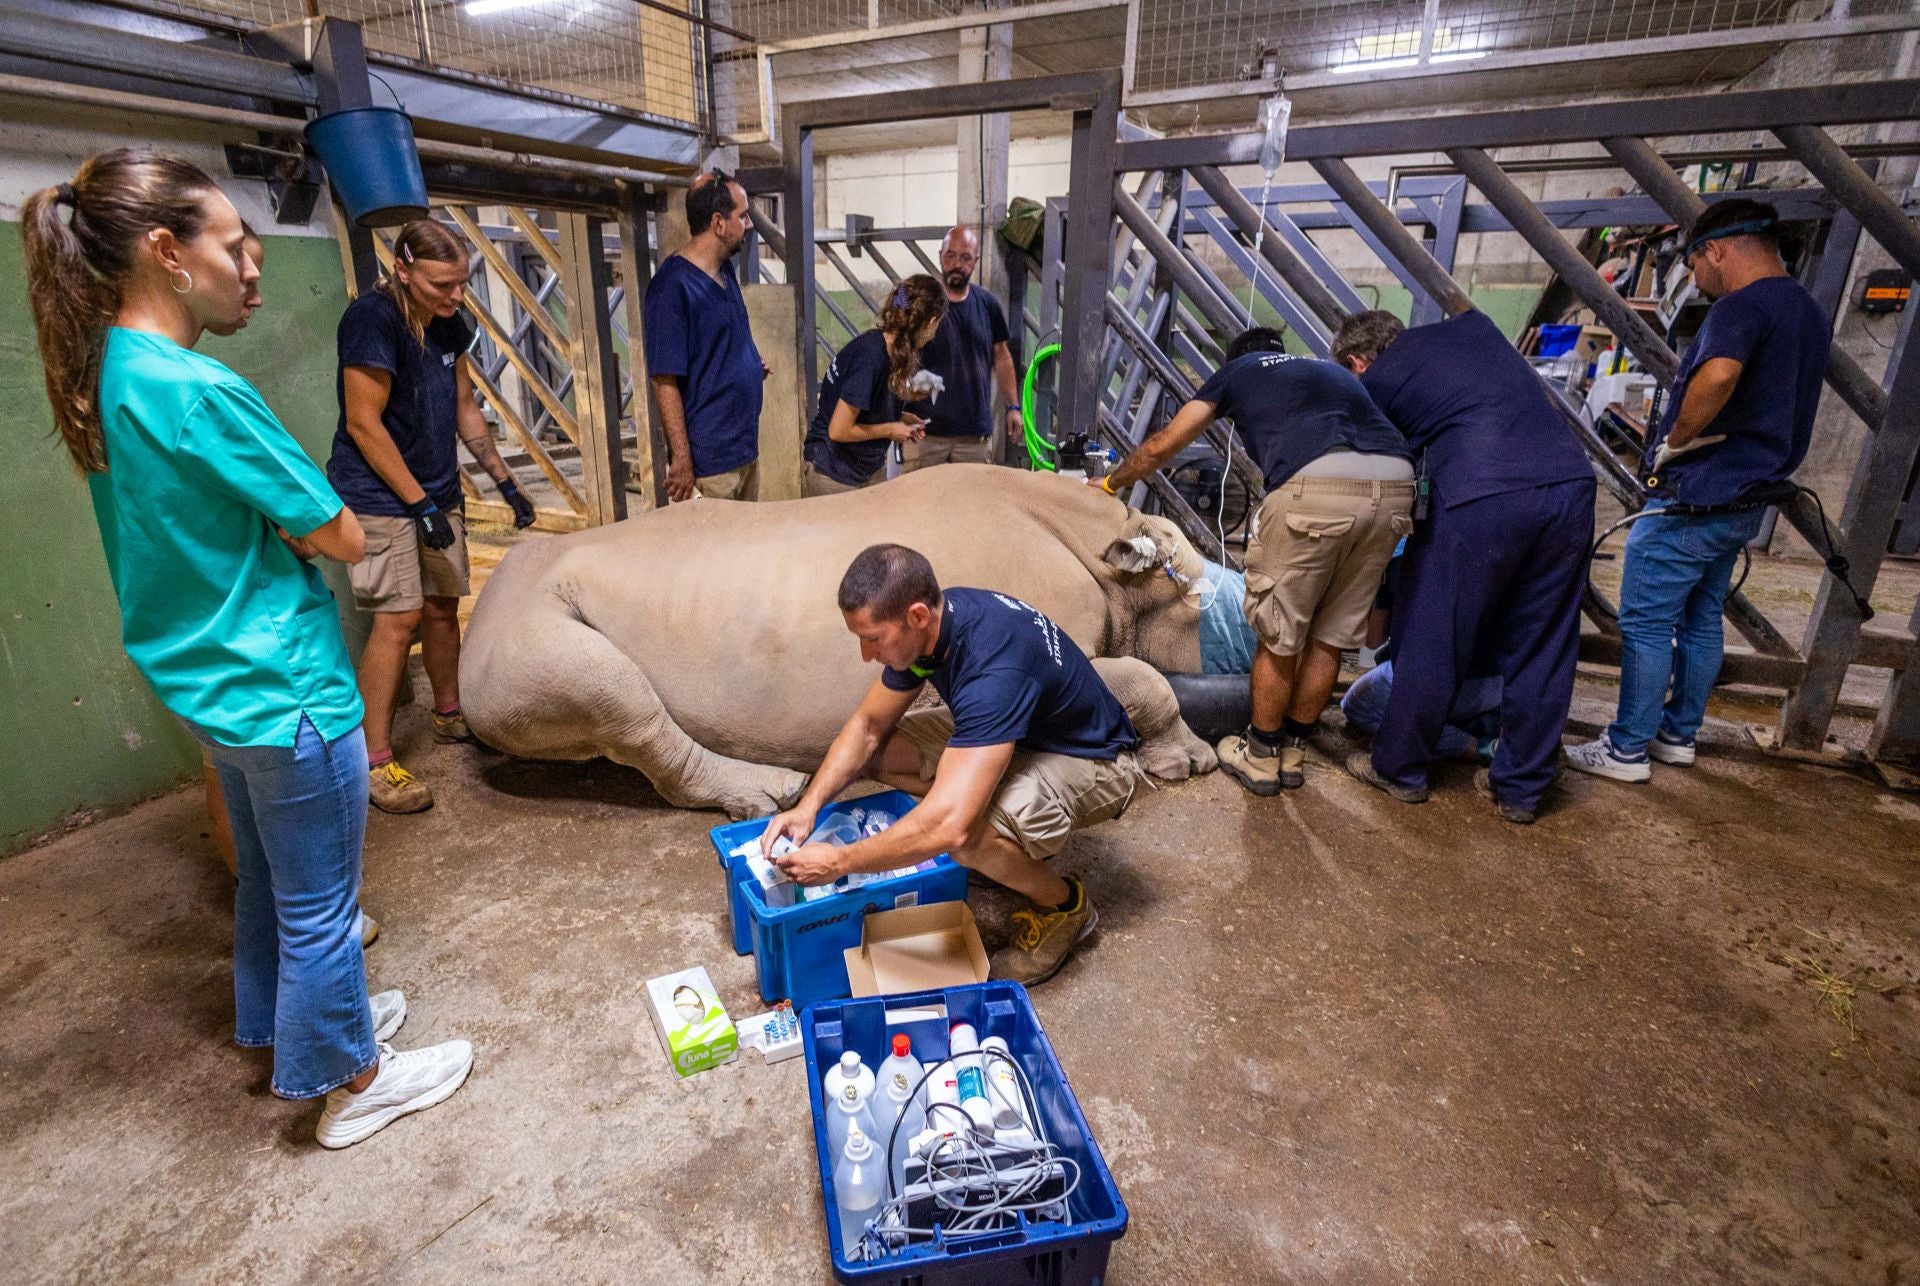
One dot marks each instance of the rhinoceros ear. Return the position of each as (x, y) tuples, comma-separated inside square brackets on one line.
[(1132, 553)]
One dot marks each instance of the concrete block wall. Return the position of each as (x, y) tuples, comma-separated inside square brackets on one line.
[(79, 728)]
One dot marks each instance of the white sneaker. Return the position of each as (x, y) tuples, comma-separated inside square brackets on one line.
[(389, 1011), (1598, 757), (406, 1082), (1671, 752)]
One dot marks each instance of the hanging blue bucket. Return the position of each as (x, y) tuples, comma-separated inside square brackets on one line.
[(369, 157)]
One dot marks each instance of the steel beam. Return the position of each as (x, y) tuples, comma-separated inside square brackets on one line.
[(1659, 180), (1878, 213), (1291, 310), (1182, 388), (596, 390), (1719, 113), (1280, 256), (1089, 231), (1873, 501), (636, 276), (1614, 312), (1402, 247), (1167, 256), (1896, 731), (94, 48)]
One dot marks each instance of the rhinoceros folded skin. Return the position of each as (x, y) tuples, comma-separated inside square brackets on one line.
[(702, 644)]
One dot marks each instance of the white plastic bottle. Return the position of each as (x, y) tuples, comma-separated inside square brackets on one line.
[(849, 1068), (970, 1078), (847, 1113), (899, 1119), (860, 1184), (1010, 1121), (900, 1066)]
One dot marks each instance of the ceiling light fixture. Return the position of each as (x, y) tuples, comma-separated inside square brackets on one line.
[(481, 8), (1388, 64)]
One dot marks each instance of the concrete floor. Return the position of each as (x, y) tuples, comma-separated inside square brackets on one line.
[(1324, 1037)]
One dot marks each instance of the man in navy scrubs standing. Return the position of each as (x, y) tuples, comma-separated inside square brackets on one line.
[(1495, 567), (705, 369), (971, 355)]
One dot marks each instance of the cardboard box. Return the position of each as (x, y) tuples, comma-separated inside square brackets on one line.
[(691, 1022), (917, 948)]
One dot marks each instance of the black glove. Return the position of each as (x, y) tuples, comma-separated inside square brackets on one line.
[(436, 530), (522, 507)]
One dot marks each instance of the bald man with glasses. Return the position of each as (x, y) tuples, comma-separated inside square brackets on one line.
[(971, 357)]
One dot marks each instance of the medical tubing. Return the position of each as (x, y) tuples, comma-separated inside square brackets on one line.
[(1038, 448)]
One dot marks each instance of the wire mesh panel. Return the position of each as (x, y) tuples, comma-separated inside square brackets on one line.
[(1498, 26), (616, 52), (1184, 43)]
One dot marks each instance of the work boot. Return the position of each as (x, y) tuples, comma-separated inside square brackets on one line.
[(1483, 782), (1359, 766), (393, 789), (406, 1082), (1043, 939), (448, 728), (1261, 774)]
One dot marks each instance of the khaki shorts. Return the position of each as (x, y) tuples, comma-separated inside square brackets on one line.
[(1043, 797), (735, 484), (932, 450), (1319, 549), (815, 483), (399, 573)]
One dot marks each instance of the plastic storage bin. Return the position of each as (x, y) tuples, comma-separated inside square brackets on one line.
[(1060, 1254), (798, 950)]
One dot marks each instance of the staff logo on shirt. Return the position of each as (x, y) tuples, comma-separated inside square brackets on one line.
[(1047, 628), (1274, 359), (448, 359)]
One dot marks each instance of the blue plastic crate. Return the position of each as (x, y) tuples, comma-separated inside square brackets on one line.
[(1061, 1254), (731, 836), (799, 950)]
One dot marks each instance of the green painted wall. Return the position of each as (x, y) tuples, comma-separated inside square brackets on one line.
[(79, 728)]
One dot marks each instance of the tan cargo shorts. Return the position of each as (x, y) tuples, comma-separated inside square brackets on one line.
[(399, 573), (941, 450), (1043, 797), (1319, 549), (735, 484)]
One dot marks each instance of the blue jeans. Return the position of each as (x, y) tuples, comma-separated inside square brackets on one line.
[(299, 814), (1672, 593), (1473, 716)]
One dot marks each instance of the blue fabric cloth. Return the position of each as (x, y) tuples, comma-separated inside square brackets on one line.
[(1500, 577), (1473, 717), (1461, 394), (698, 333), (1227, 642), (962, 354), (1289, 411), (857, 376), (232, 630), (421, 411), (1779, 335), (1009, 674), (299, 815), (1672, 591)]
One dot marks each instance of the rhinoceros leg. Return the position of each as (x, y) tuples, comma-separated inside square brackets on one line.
[(1168, 749), (608, 706)]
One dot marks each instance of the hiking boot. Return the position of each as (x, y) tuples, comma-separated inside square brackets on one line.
[(368, 928), (1671, 750), (1043, 939), (1602, 760), (392, 789), (1359, 766), (1483, 782), (389, 1011), (1261, 774), (409, 1082), (448, 728)]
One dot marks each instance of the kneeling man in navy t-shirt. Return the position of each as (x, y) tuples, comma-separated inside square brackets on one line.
[(1030, 747)]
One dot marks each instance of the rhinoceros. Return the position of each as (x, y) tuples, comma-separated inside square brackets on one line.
[(702, 643)]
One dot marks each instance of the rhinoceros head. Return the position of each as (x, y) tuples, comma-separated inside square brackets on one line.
[(1161, 577)]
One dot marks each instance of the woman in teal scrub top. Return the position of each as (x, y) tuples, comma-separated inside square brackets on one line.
[(209, 513)]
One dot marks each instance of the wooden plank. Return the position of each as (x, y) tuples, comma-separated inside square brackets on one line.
[(537, 238), (528, 442), (536, 311), (543, 520), (548, 398), (596, 371)]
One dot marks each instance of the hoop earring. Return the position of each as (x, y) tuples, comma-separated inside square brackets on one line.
[(176, 285)]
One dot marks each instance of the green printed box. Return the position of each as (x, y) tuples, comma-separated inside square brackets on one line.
[(693, 1025)]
